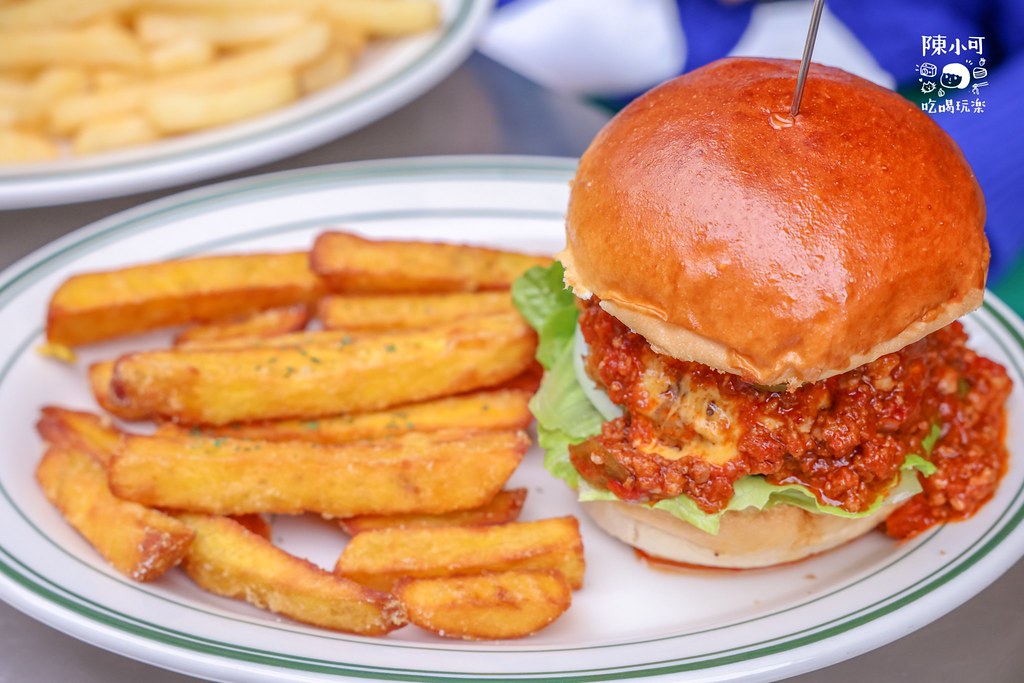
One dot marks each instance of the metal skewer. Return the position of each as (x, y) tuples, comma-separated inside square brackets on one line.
[(805, 62)]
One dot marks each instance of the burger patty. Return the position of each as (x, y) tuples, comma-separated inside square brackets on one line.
[(689, 429)]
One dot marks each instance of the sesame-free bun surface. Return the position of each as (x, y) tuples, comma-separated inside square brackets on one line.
[(746, 538), (784, 255)]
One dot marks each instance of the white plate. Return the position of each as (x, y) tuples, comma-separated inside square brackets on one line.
[(388, 75), (629, 620)]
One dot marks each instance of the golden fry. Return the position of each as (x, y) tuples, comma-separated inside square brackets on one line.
[(219, 387), (379, 559), (414, 473), (83, 432), (269, 323), (138, 542), (355, 265), (227, 559), (502, 509), (487, 607), (100, 375), (97, 306), (483, 410), (381, 313), (255, 523), (527, 381)]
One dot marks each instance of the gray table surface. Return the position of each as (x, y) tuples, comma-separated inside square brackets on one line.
[(483, 108)]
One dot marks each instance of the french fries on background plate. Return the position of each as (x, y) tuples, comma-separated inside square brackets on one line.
[(400, 413), (91, 76)]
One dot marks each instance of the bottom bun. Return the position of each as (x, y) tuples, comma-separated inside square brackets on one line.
[(746, 538)]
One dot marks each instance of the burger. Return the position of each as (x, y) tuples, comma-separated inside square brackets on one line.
[(750, 342)]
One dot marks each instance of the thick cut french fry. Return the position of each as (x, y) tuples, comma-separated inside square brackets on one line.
[(414, 473), (179, 112), (355, 265), (138, 542), (502, 509), (227, 559), (379, 559), (97, 306), (377, 313), (269, 323), (219, 387), (487, 607), (80, 431), (483, 410), (527, 381), (100, 375)]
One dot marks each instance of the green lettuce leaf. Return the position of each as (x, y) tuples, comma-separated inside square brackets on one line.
[(565, 416), (756, 492), (564, 413), (929, 441), (541, 297), (918, 463)]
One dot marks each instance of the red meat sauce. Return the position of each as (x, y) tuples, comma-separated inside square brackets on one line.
[(844, 438)]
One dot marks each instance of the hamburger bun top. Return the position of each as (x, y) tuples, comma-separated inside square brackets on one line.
[(781, 254)]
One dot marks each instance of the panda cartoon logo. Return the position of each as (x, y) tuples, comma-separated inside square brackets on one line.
[(955, 77)]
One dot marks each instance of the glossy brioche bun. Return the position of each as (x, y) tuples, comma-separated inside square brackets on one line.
[(746, 538), (783, 255)]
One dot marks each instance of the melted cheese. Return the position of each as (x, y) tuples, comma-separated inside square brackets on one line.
[(701, 408)]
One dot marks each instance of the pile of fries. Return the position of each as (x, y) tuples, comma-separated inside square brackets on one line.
[(105, 74), (402, 417)]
